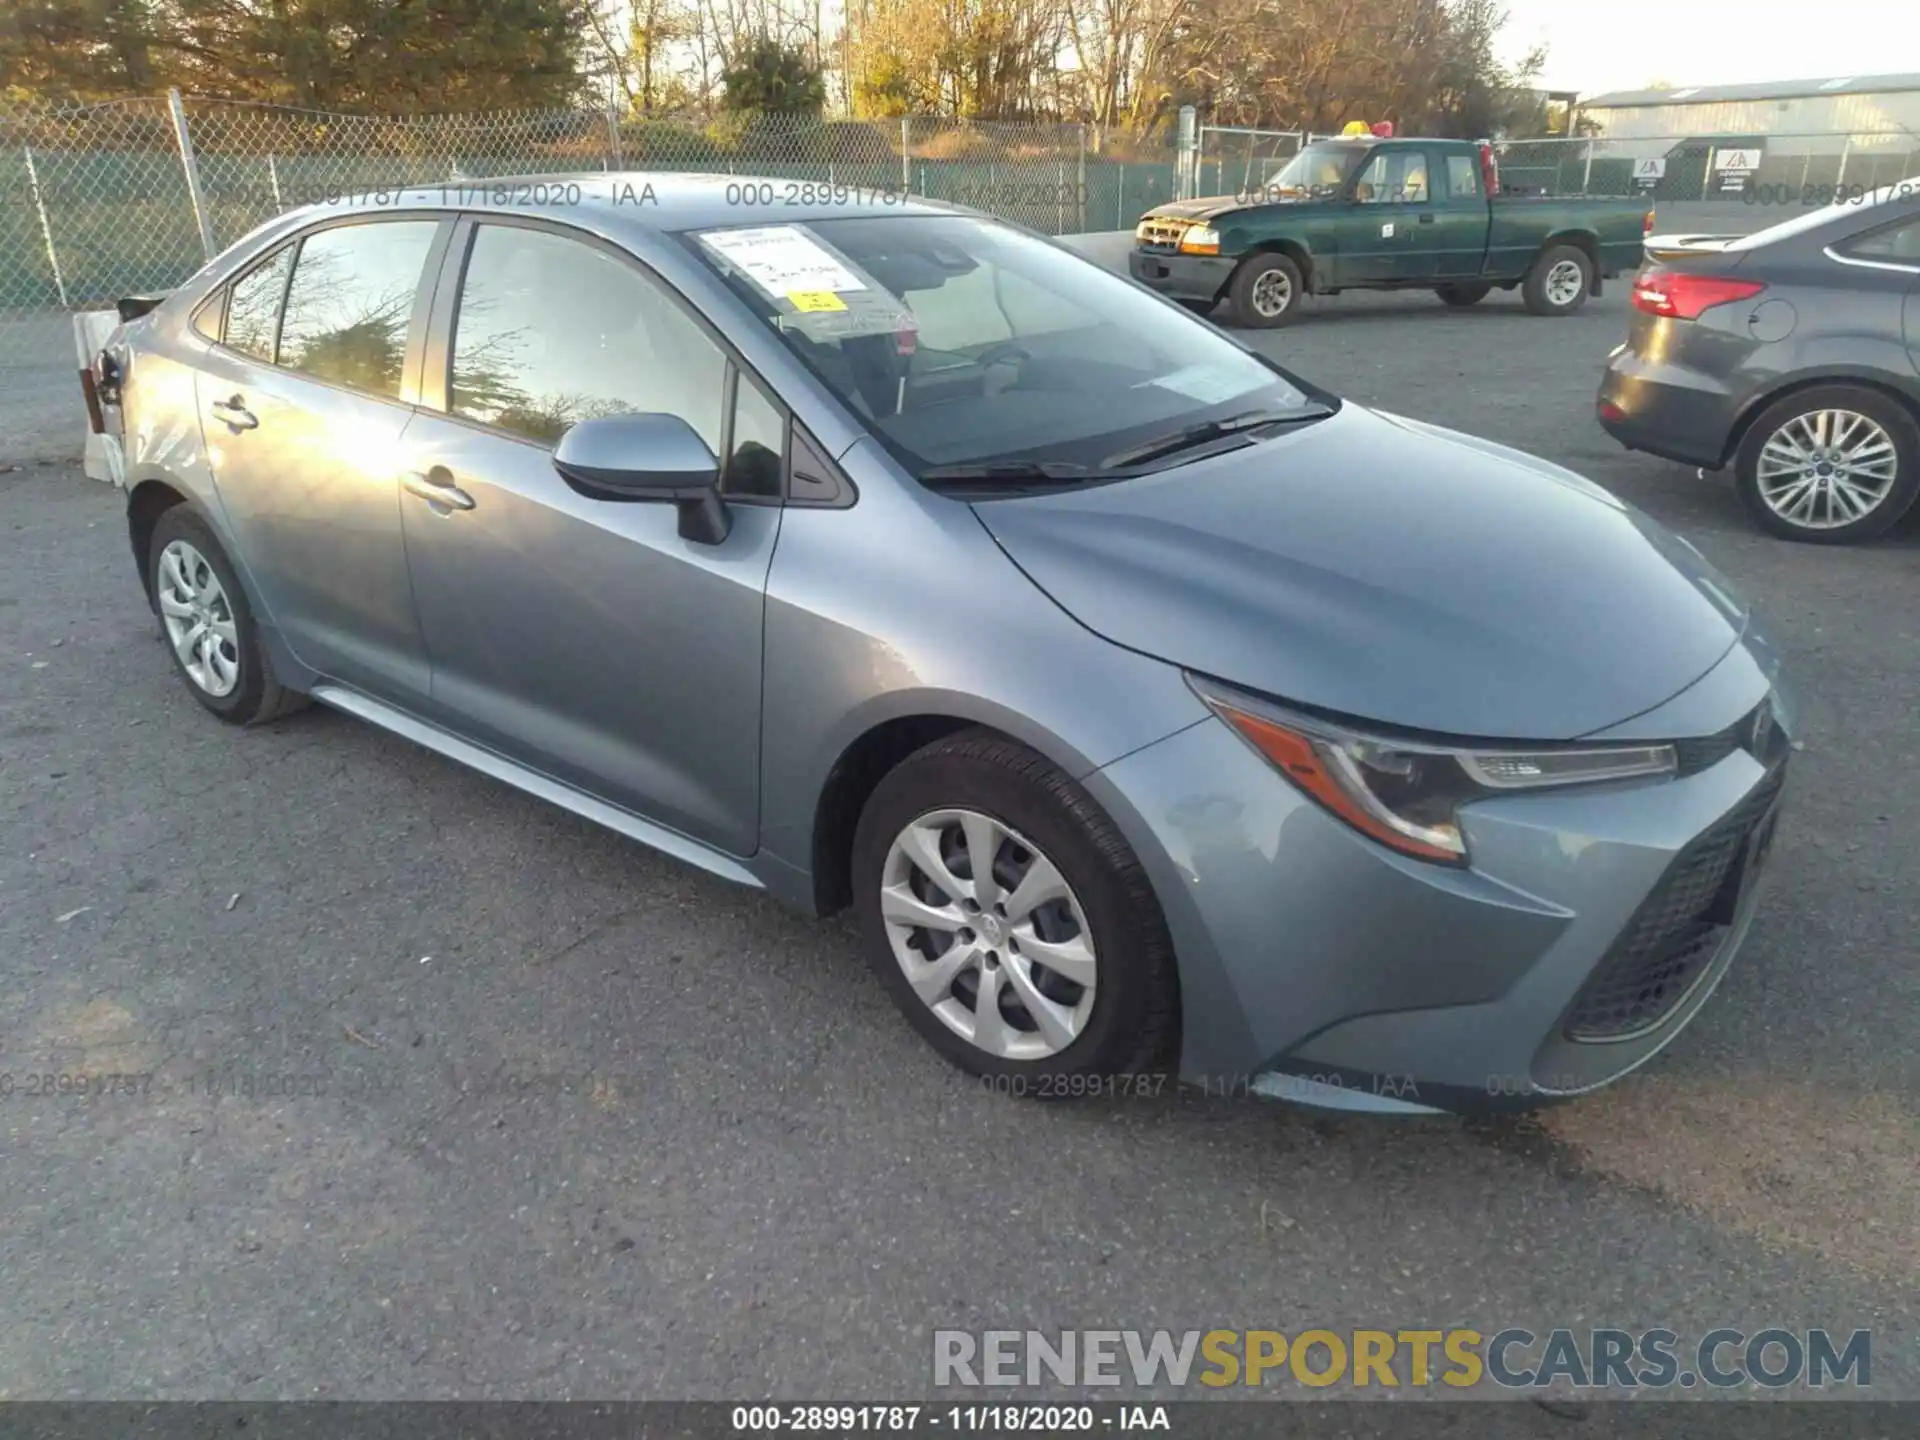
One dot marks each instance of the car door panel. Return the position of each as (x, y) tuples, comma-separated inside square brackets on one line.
[(304, 465), (1388, 226), (585, 639), (583, 636)]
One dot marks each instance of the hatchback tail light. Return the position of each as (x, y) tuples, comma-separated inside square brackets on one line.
[(1681, 296)]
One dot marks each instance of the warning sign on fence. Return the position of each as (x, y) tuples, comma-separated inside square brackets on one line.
[(1649, 172), (1732, 169)]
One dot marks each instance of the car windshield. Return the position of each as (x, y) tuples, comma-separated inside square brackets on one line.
[(962, 342), (1319, 169), (1844, 204)]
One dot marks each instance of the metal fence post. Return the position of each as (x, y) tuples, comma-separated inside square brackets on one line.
[(192, 169), (1187, 166), (1060, 197), (46, 229), (1080, 206), (1586, 175), (617, 157), (906, 150), (273, 179)]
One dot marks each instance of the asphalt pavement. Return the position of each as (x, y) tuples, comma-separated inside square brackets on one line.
[(453, 1095)]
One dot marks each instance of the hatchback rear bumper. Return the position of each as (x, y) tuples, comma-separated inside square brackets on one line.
[(1668, 410)]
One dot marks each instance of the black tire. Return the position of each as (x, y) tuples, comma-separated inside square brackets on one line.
[(1131, 1026), (1892, 417), (1252, 271), (257, 695), (1200, 307), (1534, 290), (1463, 293)]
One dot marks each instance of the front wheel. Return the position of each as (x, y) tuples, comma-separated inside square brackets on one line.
[(1265, 292), (1830, 465), (1559, 281), (1010, 921)]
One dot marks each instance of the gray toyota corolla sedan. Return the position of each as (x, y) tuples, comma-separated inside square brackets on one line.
[(1152, 707)]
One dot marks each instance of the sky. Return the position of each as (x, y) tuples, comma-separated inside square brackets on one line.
[(1629, 44)]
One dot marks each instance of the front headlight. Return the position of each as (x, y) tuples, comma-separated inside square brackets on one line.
[(1200, 240), (1408, 794)]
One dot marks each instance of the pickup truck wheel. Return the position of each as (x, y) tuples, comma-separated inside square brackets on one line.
[(1559, 281), (1265, 291), (1463, 294), (1830, 465)]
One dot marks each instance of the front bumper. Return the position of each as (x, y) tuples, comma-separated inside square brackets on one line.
[(1666, 409), (1182, 277), (1318, 966)]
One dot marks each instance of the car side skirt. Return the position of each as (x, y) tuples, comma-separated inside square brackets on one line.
[(543, 787)]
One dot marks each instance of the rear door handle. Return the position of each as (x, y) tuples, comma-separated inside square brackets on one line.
[(436, 487), (235, 415), (1426, 219)]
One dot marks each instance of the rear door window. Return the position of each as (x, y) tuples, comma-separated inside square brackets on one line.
[(351, 301)]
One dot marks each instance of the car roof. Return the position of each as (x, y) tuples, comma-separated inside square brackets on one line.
[(666, 201)]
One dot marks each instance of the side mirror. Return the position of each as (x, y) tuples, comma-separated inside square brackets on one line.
[(641, 458)]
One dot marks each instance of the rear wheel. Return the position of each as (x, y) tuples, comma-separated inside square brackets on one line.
[(1559, 281), (208, 626), (1009, 919), (1830, 465), (1463, 293), (1265, 292)]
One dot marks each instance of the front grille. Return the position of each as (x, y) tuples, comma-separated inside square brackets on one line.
[(1675, 934), (1161, 233)]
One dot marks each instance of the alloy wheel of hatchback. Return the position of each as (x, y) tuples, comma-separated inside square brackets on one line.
[(1831, 465), (1826, 468), (989, 934), (198, 618)]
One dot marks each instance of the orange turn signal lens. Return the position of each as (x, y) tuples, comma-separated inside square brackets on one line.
[(1331, 779)]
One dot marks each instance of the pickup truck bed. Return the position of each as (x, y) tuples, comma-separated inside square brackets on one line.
[(1381, 215)]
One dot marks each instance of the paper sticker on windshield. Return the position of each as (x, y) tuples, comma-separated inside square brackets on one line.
[(807, 301), (783, 260), (1208, 383)]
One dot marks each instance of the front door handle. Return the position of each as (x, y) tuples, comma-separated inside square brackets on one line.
[(436, 487), (235, 415)]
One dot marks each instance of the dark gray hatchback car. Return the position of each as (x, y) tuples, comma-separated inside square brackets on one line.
[(1792, 355)]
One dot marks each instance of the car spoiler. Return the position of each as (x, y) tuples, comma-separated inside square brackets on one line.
[(132, 307), (1676, 247)]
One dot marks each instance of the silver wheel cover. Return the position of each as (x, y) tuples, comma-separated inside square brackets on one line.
[(989, 934), (198, 618)]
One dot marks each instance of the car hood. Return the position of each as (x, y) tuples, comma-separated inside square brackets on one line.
[(1211, 207), (1390, 570)]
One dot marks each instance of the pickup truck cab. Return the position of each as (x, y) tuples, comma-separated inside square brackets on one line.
[(1397, 214)]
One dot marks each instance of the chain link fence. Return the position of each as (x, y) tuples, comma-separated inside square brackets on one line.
[(115, 199)]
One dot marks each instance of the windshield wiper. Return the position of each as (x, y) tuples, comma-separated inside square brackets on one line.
[(1006, 472), (1210, 430)]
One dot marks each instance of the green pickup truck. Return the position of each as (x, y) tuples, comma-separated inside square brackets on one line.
[(1371, 214)]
